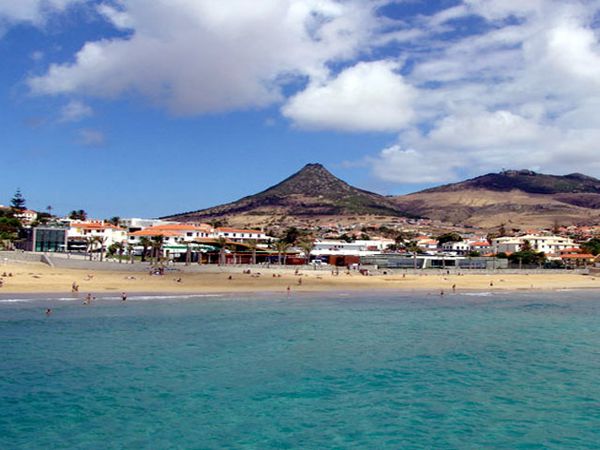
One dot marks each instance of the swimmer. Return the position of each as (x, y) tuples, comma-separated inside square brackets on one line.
[(123, 297), (48, 311)]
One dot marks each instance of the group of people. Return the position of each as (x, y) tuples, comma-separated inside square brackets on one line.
[(4, 275)]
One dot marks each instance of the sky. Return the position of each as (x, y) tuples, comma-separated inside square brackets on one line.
[(138, 108)]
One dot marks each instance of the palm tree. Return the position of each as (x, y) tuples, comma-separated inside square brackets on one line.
[(413, 248), (222, 242), (281, 247), (252, 245), (101, 240), (130, 250), (188, 254), (90, 243), (146, 244), (157, 245), (307, 247), (120, 247)]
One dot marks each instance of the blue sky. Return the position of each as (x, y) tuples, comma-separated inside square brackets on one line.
[(137, 108)]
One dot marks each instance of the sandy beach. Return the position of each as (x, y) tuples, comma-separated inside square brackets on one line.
[(39, 278)]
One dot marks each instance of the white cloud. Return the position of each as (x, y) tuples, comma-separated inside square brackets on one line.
[(91, 138), (410, 166), (199, 56), (522, 95), (366, 97), (74, 111), (33, 11), (522, 92)]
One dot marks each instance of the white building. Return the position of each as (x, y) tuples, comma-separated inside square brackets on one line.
[(136, 224), (240, 235), (547, 244), (482, 247), (26, 216), (174, 233), (355, 248), (458, 247), (80, 232)]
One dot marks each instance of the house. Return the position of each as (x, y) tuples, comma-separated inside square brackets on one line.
[(26, 216), (240, 235), (458, 247), (482, 247), (173, 233), (549, 244), (575, 257), (80, 234)]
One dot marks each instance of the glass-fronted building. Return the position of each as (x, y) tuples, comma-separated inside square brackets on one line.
[(45, 239)]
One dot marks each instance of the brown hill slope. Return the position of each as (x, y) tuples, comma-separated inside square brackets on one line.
[(520, 198), (311, 192)]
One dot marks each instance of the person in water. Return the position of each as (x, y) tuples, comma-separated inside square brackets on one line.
[(123, 297), (48, 311)]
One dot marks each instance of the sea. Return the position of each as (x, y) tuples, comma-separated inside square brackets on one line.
[(518, 370)]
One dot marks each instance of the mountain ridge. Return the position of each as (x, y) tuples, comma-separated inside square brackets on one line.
[(311, 191)]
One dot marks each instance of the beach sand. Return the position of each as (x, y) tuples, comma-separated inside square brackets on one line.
[(39, 278)]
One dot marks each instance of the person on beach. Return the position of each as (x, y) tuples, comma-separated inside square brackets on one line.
[(454, 288), (123, 297), (74, 287), (289, 290)]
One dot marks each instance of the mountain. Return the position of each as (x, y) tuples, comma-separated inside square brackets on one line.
[(310, 193), (521, 198)]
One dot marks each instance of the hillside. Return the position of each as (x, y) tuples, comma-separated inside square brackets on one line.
[(521, 198), (310, 193)]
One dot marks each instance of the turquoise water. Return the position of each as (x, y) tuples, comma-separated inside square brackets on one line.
[(514, 371)]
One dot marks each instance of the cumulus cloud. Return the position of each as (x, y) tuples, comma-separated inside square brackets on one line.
[(74, 111), (522, 94), (199, 56), (519, 90), (370, 96)]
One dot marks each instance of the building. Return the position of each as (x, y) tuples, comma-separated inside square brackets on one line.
[(44, 239), (107, 234), (457, 247), (354, 248), (240, 235), (137, 224), (550, 244), (481, 247), (26, 216)]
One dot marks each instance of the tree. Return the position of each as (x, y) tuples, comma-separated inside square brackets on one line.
[(526, 246), (527, 257), (146, 244), (114, 221), (592, 246), (157, 246), (17, 203), (222, 242), (130, 252), (282, 247), (307, 247), (117, 247), (449, 237), (90, 242), (79, 214), (252, 246), (291, 235)]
